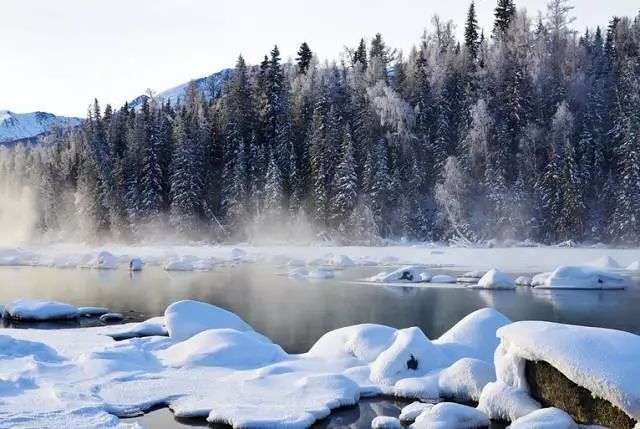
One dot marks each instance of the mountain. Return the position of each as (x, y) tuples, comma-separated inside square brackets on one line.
[(208, 85), (27, 126)]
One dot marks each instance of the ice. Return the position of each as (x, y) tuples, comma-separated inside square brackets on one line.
[(442, 278), (223, 347), (237, 253), (186, 318), (408, 274), (604, 361), (570, 277), (524, 281), (135, 264), (545, 418), (37, 310), (634, 266), (605, 262), (413, 410), (384, 422), (321, 274), (495, 279), (104, 261), (179, 264), (92, 311), (500, 401), (449, 415)]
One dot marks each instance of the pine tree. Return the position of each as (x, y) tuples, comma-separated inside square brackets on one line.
[(360, 55), (504, 13), (471, 32), (304, 58), (345, 182)]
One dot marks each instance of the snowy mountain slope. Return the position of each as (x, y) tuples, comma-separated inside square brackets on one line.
[(22, 126), (208, 85)]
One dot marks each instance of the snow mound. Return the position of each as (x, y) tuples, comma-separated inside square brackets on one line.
[(298, 272), (634, 266), (500, 401), (237, 253), (411, 354), (471, 277), (409, 413), (524, 281), (341, 261), (442, 278), (465, 379), (111, 317), (545, 418), (179, 264), (104, 261), (473, 336), (37, 310), (495, 279), (363, 342), (384, 422), (605, 262), (577, 352), (571, 277), (449, 415), (223, 347), (409, 274), (321, 274), (184, 319)]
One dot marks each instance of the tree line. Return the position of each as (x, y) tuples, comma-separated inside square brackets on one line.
[(529, 132)]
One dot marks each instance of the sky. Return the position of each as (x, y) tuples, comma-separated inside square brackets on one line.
[(57, 56)]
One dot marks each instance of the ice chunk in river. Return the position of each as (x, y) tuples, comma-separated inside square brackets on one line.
[(524, 281), (409, 274), (135, 264), (184, 319), (570, 277), (179, 264), (104, 261), (341, 261), (496, 279), (442, 278), (37, 310)]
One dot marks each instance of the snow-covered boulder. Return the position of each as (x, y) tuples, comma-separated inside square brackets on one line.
[(545, 418), (603, 361), (237, 253), (409, 413), (37, 310), (411, 354), (409, 274), (501, 401), (341, 261), (465, 379), (223, 347), (569, 277), (496, 279), (442, 278), (185, 319), (179, 264), (111, 317), (135, 264), (605, 263), (104, 261), (473, 336), (524, 281), (364, 342), (385, 422), (449, 415), (471, 277)]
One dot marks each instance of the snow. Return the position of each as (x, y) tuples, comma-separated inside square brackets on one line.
[(500, 401), (496, 279), (449, 415), (413, 410), (408, 274), (363, 342), (604, 361), (184, 319), (471, 276), (524, 281), (384, 422), (341, 261), (37, 310), (572, 277), (465, 379), (111, 317), (178, 264), (545, 418), (634, 266), (321, 274), (605, 262), (442, 278)]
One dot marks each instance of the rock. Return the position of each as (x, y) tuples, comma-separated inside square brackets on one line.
[(37, 310), (552, 389), (496, 279), (135, 264), (413, 410)]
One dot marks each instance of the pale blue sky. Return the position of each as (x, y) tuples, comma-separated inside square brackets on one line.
[(58, 55)]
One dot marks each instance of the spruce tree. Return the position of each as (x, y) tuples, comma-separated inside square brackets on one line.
[(304, 58), (471, 32), (504, 13)]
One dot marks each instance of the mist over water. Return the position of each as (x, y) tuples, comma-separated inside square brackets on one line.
[(18, 215)]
